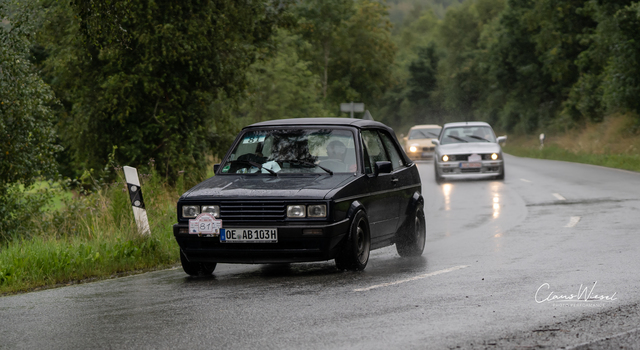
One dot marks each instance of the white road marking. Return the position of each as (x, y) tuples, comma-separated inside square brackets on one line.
[(559, 196), (524, 180), (412, 278), (573, 221)]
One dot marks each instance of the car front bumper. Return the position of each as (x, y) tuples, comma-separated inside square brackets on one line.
[(454, 169), (297, 242), (420, 155)]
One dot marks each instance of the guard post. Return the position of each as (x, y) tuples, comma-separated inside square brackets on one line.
[(137, 202)]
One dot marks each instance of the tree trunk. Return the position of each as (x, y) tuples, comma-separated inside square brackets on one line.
[(325, 78)]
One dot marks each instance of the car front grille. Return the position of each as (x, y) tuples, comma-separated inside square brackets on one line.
[(252, 211), (464, 157), (427, 149), (470, 170)]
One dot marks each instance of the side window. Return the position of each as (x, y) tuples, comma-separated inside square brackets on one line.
[(374, 149), (396, 160)]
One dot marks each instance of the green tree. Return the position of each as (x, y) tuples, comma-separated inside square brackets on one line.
[(361, 64), (462, 77), (142, 75), (282, 84), (318, 23), (27, 139), (621, 81)]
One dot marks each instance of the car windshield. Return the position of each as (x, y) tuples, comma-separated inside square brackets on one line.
[(282, 151), (466, 134), (430, 133)]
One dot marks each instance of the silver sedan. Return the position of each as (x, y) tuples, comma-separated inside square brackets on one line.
[(468, 150)]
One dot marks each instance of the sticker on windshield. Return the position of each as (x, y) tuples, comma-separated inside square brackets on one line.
[(253, 139)]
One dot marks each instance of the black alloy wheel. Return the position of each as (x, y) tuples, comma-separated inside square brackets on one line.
[(196, 268), (355, 253), (412, 242)]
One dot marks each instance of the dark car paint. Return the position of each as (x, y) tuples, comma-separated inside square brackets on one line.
[(388, 200)]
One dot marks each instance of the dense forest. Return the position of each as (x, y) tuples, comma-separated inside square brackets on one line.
[(88, 85)]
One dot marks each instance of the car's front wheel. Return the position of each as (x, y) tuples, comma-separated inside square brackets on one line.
[(412, 242), (501, 176), (355, 252), (196, 268), (439, 179)]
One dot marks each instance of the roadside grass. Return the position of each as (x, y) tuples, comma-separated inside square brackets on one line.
[(555, 152), (613, 143), (59, 194), (93, 237)]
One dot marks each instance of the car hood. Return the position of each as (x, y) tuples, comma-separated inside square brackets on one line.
[(267, 186), (420, 143), (472, 147)]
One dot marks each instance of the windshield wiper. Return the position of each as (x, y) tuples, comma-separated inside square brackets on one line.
[(434, 134), (479, 138), (310, 164), (457, 138), (257, 165)]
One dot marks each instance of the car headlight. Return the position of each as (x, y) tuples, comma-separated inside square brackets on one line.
[(445, 158), (495, 156), (190, 211), (317, 211), (413, 149), (296, 211), (212, 209)]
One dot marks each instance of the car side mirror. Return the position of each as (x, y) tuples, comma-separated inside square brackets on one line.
[(216, 167), (501, 139), (383, 167), (435, 142), (405, 139)]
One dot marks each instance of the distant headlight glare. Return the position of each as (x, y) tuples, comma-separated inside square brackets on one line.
[(317, 211), (212, 209), (296, 211), (190, 211)]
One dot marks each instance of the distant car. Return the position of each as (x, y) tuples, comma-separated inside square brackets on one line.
[(468, 150), (417, 143), (298, 190)]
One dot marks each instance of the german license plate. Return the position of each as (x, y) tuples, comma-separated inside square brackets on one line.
[(470, 165), (249, 235)]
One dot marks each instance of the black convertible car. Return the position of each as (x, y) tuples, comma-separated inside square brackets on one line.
[(299, 190)]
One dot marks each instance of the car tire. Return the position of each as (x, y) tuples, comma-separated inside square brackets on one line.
[(357, 247), (411, 242), (439, 179), (501, 176), (196, 268)]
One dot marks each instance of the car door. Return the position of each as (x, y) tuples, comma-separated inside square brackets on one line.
[(382, 200), (404, 184)]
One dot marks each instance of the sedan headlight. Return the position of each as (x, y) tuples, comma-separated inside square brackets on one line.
[(296, 211), (445, 158), (413, 149), (212, 209), (190, 211), (317, 211)]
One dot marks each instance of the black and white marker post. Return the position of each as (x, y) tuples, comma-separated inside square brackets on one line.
[(137, 203)]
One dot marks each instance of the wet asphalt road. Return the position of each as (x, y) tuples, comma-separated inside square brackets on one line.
[(499, 257)]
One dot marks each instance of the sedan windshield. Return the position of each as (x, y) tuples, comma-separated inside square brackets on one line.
[(281, 151), (424, 133), (466, 134)]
